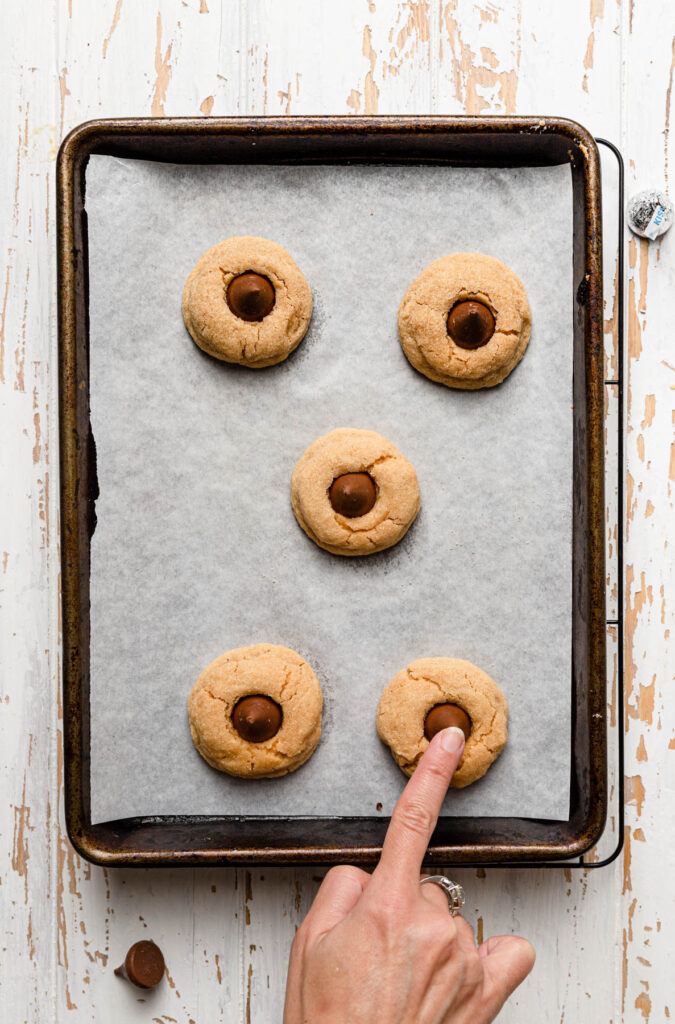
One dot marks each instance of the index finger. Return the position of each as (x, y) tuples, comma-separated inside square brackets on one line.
[(417, 809)]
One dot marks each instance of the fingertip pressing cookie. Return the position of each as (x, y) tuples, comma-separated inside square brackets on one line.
[(255, 712), (354, 493), (434, 693), (246, 301), (465, 321)]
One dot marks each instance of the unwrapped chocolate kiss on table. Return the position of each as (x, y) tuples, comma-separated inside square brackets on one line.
[(143, 965)]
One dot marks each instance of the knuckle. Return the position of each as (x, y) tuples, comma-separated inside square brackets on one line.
[(393, 910), (335, 874), (526, 956), (344, 873), (415, 818), (436, 898), (442, 945), (436, 932), (463, 927), (388, 914)]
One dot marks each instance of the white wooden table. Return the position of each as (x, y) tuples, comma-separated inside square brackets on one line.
[(602, 937)]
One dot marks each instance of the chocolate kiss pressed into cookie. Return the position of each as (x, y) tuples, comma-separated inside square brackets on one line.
[(445, 715), (250, 296), (257, 718), (353, 494), (470, 324)]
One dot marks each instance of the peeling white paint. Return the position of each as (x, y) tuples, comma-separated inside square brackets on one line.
[(65, 925)]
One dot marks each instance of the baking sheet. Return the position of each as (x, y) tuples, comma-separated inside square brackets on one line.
[(196, 548)]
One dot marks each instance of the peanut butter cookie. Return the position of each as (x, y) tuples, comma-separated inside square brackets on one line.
[(353, 493), (247, 302), (465, 321), (255, 712), (428, 689)]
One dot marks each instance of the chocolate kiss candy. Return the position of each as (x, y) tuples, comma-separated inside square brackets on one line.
[(143, 965), (257, 718), (352, 494), (445, 715), (470, 324), (250, 296)]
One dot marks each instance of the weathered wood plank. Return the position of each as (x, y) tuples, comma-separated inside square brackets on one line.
[(647, 920), (28, 545), (226, 934)]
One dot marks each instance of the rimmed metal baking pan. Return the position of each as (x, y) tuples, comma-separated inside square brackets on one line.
[(441, 140)]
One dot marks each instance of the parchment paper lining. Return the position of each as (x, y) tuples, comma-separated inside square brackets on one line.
[(196, 548)]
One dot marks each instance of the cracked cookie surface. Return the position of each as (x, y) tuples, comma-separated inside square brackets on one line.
[(423, 315), (413, 692), (217, 330), (343, 451), (263, 669)]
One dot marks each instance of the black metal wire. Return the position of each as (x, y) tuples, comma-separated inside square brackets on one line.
[(618, 622)]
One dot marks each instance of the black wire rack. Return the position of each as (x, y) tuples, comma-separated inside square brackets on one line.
[(618, 622)]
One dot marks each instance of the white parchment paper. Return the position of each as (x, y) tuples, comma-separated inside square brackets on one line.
[(197, 550)]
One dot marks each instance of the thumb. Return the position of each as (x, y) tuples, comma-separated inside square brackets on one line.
[(507, 961)]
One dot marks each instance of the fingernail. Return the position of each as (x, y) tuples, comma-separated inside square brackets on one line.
[(452, 740)]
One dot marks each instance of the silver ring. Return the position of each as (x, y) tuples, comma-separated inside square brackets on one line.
[(454, 892)]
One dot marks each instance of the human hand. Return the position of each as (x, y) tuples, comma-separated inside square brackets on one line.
[(381, 949)]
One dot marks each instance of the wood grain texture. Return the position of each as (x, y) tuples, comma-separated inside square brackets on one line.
[(603, 938)]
